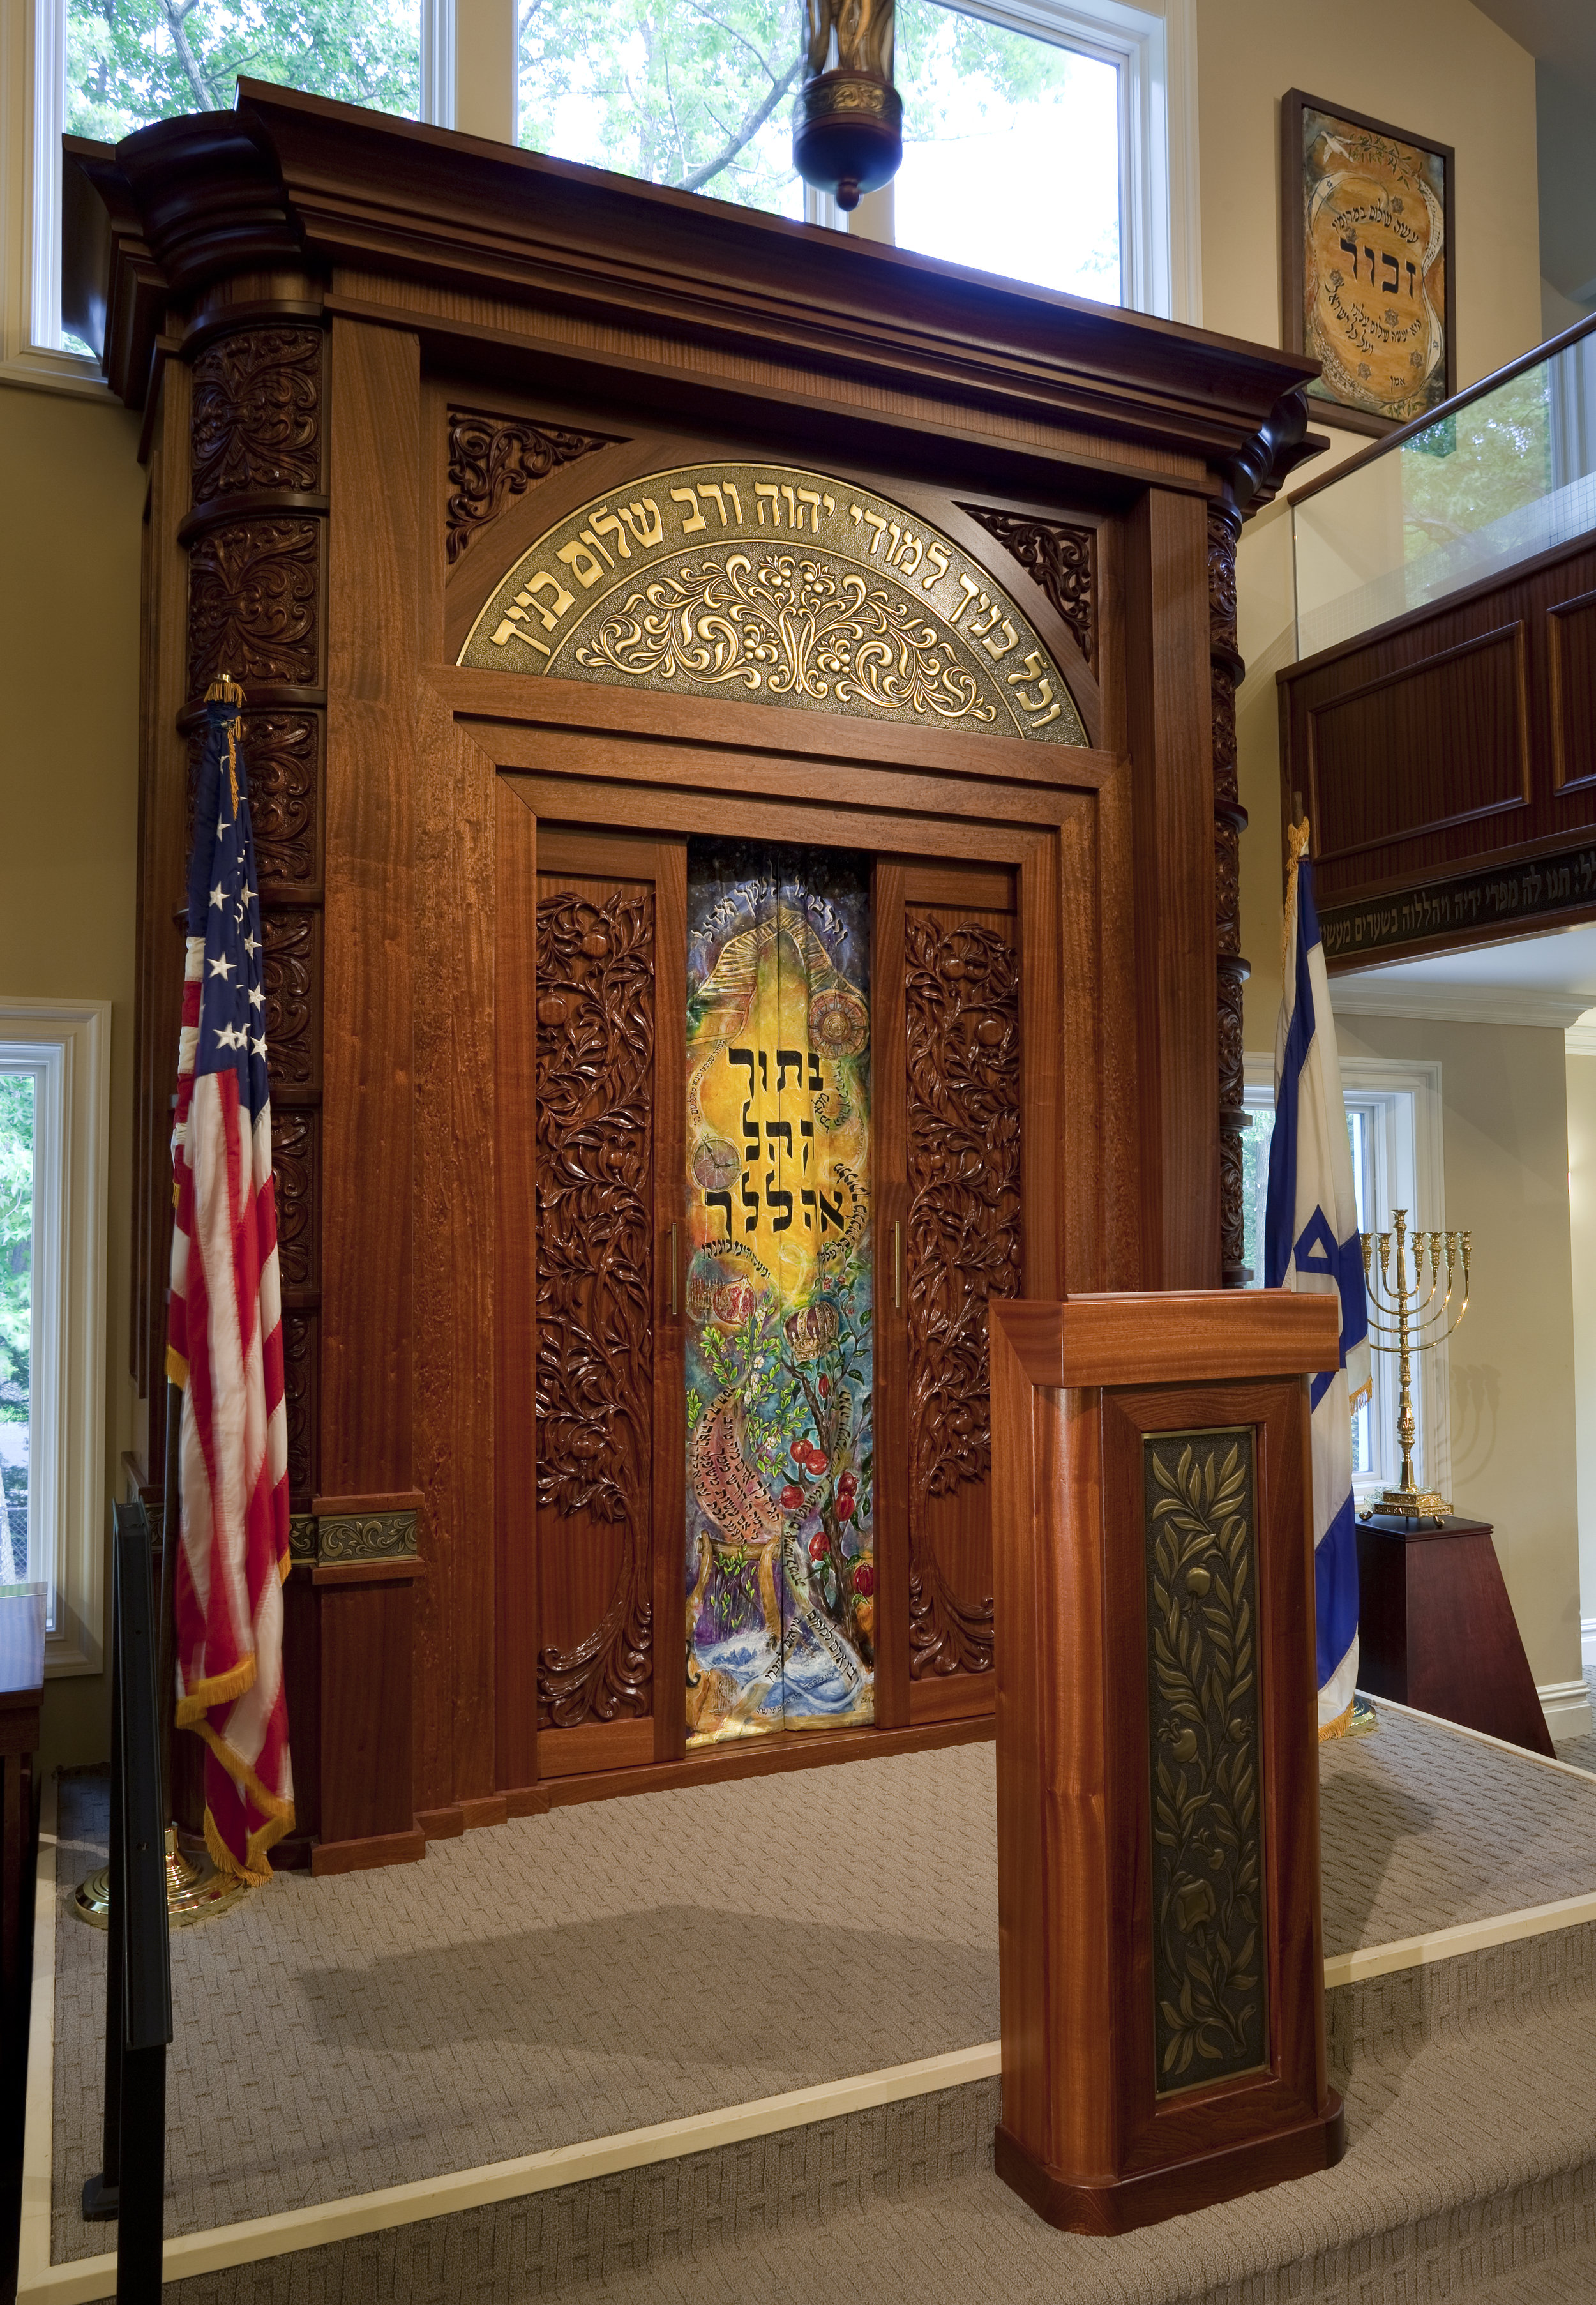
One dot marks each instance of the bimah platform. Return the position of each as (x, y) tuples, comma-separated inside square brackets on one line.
[(1157, 1781)]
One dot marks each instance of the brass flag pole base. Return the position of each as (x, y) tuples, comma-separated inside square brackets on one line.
[(195, 1889), (1364, 1720)]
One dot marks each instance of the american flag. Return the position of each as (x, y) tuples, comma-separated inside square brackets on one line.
[(225, 1332)]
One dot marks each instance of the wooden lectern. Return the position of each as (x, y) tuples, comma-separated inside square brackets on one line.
[(1157, 1767)]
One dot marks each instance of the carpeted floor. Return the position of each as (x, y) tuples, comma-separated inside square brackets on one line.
[(629, 1962)]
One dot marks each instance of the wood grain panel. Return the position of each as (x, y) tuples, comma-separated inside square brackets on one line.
[(1459, 745), (374, 546), (1168, 716), (454, 1219), (889, 1174), (367, 1634), (1423, 749), (1570, 667), (514, 1293)]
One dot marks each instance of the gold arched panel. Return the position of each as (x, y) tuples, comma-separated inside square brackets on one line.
[(779, 586)]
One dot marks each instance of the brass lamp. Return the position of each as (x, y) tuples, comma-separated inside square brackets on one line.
[(848, 119)]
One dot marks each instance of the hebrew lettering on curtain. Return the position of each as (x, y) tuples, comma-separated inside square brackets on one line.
[(780, 1567)]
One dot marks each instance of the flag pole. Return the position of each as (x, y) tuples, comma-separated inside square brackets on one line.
[(196, 1886)]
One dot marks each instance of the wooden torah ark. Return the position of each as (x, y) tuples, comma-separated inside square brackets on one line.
[(425, 418), (1158, 1765)]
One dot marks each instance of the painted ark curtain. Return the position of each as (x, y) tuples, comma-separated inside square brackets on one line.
[(780, 1567)]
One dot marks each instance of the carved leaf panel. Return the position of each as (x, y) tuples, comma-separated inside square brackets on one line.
[(301, 1402), (1203, 1733), (257, 413), (293, 975), (493, 458), (1062, 559), (962, 1248), (280, 751), (297, 1173), (253, 590), (595, 1280)]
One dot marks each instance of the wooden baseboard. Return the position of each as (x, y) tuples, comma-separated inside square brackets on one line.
[(594, 1746), (763, 1757), (365, 1855), (1122, 2205), (952, 1696), (467, 1815)]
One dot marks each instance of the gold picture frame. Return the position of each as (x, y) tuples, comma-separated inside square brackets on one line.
[(1366, 240)]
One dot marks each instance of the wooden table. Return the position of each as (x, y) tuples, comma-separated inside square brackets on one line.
[(19, 1741), (1436, 1629)]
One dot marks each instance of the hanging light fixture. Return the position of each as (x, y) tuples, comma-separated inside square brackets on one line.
[(848, 121)]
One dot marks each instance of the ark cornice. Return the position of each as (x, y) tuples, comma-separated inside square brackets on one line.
[(292, 182)]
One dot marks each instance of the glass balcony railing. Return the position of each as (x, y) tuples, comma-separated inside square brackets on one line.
[(1503, 473)]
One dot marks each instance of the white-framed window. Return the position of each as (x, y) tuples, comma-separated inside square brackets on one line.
[(54, 1116), (1394, 1133), (1049, 141)]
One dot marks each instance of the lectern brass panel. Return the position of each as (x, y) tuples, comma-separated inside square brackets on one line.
[(1210, 2016)]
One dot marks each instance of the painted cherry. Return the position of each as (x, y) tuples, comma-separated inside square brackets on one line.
[(791, 1497), (825, 1386), (844, 1507), (864, 1578), (817, 1460), (817, 1546)]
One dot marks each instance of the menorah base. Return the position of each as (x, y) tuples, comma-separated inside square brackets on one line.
[(1412, 1504)]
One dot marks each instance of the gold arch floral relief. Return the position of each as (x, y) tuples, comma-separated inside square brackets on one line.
[(781, 586)]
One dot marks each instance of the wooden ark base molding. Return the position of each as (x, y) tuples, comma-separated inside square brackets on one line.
[(1162, 1981), (395, 381)]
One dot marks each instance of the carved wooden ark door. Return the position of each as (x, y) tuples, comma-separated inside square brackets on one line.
[(777, 1180), (610, 981)]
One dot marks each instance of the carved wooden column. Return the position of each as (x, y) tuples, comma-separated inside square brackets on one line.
[(1230, 821), (256, 540)]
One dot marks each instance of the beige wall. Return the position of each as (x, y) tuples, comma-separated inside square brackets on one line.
[(1442, 69), (1506, 1132), (74, 495), (1582, 1212)]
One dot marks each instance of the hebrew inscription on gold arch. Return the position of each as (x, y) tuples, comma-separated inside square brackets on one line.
[(779, 586)]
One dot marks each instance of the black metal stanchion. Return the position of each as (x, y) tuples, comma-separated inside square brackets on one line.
[(100, 2192), (146, 1943), (132, 2183)]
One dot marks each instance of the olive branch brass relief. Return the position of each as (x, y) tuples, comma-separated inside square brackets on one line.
[(791, 627), (595, 1275), (1203, 1723)]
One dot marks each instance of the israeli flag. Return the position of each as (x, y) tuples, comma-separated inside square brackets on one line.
[(1311, 1243)]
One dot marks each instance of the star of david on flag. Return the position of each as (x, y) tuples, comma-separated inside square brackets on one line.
[(1310, 1244), (225, 1335)]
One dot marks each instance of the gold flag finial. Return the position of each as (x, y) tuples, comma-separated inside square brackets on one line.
[(1296, 842), (225, 689)]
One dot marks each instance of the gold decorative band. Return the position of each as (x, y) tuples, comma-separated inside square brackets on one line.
[(841, 92)]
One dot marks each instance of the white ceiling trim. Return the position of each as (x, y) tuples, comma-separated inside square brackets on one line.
[(1458, 1004), (1580, 1039)]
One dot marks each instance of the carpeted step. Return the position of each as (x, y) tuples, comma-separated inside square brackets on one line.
[(1470, 2089)]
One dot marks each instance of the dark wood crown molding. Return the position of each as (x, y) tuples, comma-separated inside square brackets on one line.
[(295, 182)]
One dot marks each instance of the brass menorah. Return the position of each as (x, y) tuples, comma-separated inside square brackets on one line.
[(1406, 1321)]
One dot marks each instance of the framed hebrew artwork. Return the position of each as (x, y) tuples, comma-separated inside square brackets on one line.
[(1366, 245)]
